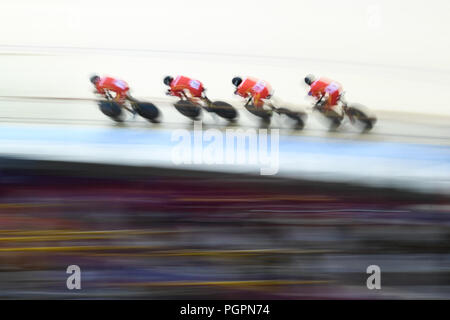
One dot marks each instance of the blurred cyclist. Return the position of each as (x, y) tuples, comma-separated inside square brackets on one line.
[(327, 92), (104, 86), (184, 87), (258, 90)]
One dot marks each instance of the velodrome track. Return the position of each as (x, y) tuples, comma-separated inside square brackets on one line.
[(47, 112), (398, 127), (404, 150)]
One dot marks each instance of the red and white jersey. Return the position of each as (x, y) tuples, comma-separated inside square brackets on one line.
[(181, 83), (120, 87), (256, 88), (323, 86)]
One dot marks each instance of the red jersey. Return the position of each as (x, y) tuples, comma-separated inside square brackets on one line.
[(181, 83), (258, 89), (120, 87), (322, 86)]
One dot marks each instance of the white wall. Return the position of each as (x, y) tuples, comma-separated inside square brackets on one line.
[(387, 54)]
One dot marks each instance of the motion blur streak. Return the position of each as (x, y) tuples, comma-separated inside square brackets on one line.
[(79, 189), (152, 233)]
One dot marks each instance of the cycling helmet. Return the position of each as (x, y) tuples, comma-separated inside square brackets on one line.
[(94, 79), (236, 81), (309, 79), (168, 80)]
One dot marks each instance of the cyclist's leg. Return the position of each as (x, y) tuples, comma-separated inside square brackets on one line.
[(121, 99)]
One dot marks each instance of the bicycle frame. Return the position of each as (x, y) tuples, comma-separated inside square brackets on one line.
[(128, 98)]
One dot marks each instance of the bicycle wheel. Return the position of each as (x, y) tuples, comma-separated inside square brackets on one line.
[(112, 109), (361, 115), (147, 110), (299, 117), (224, 110), (188, 109)]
